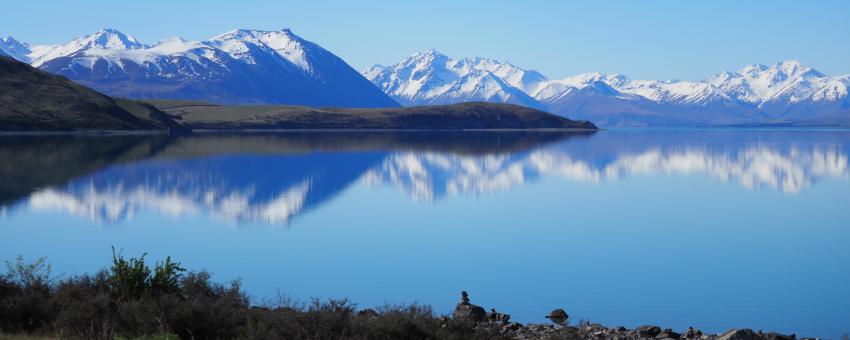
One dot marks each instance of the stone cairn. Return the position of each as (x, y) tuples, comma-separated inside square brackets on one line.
[(467, 311)]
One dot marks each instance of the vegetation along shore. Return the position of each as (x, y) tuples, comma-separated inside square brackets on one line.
[(134, 300)]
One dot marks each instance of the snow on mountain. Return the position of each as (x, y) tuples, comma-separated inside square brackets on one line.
[(776, 88), (431, 77), (237, 67), (108, 38), (278, 67), (785, 93), (283, 43), (15, 49), (552, 89)]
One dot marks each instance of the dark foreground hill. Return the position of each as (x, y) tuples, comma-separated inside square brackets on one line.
[(34, 100), (438, 117)]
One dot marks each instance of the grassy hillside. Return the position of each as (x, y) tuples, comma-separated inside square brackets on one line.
[(439, 117), (34, 100)]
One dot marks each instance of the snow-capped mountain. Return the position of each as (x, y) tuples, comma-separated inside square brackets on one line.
[(431, 77), (237, 67), (785, 93), (786, 89), (15, 49)]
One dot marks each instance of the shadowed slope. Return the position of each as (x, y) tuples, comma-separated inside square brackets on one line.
[(31, 99)]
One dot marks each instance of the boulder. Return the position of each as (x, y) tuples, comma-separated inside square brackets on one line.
[(692, 333), (495, 316), (511, 327), (738, 334), (648, 331), (368, 312), (777, 336), (558, 316), (667, 333), (470, 312)]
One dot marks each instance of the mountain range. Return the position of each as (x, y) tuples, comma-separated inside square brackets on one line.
[(278, 67), (784, 93), (237, 67)]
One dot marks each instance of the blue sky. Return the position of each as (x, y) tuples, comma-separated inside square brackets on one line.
[(646, 39)]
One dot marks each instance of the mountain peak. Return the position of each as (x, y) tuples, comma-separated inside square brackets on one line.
[(15, 49), (11, 40), (428, 54), (753, 68), (796, 68), (108, 38), (172, 40), (783, 69), (250, 32)]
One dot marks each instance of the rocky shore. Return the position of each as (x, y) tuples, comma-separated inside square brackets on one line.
[(560, 327), (131, 300)]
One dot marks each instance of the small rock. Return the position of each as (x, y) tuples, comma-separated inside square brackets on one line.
[(558, 316), (648, 331), (667, 333), (777, 336), (368, 312), (498, 317), (511, 327), (692, 333), (738, 334)]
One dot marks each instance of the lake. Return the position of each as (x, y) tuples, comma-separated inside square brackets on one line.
[(707, 228)]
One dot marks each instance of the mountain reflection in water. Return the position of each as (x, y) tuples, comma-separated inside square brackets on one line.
[(272, 178)]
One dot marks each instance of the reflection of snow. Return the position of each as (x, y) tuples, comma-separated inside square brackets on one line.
[(754, 168), (118, 203), (425, 176), (429, 176)]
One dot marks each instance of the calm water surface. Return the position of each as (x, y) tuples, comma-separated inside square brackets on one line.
[(711, 229)]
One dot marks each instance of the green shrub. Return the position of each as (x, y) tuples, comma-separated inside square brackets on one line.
[(129, 279), (29, 274), (166, 277), (132, 301)]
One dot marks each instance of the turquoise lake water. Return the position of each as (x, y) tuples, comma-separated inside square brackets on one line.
[(713, 229)]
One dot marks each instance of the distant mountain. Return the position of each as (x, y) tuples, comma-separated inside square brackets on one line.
[(430, 78), (31, 99), (787, 93), (12, 48), (237, 67)]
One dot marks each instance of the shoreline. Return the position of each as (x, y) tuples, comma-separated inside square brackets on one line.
[(307, 130), (133, 300)]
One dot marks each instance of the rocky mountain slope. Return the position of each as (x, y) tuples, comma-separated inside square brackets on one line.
[(237, 67), (786, 93)]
